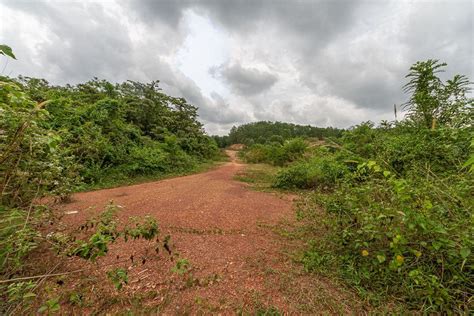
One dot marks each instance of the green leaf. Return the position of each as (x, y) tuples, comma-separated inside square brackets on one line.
[(7, 51), (55, 307), (436, 245), (381, 258), (470, 163), (465, 252), (28, 295), (42, 309)]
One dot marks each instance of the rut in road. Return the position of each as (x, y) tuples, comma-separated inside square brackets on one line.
[(222, 228)]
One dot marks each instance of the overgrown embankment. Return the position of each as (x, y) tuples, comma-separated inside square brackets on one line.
[(55, 140), (389, 209)]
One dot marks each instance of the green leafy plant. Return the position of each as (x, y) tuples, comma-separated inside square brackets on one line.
[(321, 169), (21, 292), (276, 153), (6, 51), (268, 311), (470, 162), (106, 232), (182, 266), (433, 102), (397, 228), (76, 299), (50, 307), (119, 277), (146, 230)]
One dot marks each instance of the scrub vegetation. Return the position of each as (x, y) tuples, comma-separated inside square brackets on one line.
[(389, 208), (55, 140), (386, 208)]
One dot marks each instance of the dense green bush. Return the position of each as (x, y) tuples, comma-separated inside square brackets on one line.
[(257, 153), (31, 165), (321, 170), (54, 140), (291, 150), (276, 153), (123, 130), (406, 148), (398, 222), (410, 238)]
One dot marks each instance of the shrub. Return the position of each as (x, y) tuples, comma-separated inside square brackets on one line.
[(275, 153), (296, 176), (409, 150), (290, 151), (406, 237), (120, 130), (256, 154), (32, 165), (148, 160), (323, 170)]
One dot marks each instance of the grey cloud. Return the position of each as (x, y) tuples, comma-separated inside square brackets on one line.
[(368, 83), (214, 109), (223, 112), (442, 30), (245, 81), (86, 41), (371, 73), (231, 12), (304, 23), (159, 11), (324, 51)]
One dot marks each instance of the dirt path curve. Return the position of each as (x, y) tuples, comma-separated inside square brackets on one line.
[(206, 200), (218, 224)]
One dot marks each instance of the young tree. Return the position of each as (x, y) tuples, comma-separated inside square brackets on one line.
[(433, 102)]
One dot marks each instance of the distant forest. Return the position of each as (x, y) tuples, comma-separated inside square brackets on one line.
[(270, 132)]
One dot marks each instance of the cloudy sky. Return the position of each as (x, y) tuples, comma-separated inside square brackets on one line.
[(324, 63)]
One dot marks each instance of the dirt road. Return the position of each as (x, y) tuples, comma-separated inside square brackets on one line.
[(221, 227)]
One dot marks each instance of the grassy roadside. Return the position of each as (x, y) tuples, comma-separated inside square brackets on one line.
[(309, 292), (121, 180), (311, 289), (258, 176)]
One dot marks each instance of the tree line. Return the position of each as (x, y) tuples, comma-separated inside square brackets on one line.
[(269, 132)]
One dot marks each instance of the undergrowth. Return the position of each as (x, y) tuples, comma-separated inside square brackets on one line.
[(89, 241), (55, 140), (389, 209)]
